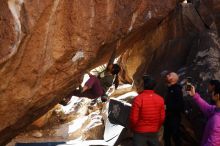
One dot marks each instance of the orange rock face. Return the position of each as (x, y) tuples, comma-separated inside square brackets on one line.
[(45, 47)]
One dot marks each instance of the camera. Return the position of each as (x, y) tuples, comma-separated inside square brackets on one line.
[(188, 87), (188, 83)]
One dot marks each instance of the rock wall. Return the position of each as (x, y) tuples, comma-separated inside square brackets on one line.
[(187, 42), (175, 44), (209, 11), (45, 47)]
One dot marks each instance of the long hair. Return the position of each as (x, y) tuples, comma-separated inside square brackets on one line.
[(217, 88), (214, 82)]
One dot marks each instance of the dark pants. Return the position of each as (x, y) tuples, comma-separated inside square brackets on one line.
[(78, 93), (88, 93), (145, 139), (172, 130)]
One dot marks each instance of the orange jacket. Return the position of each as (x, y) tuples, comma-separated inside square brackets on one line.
[(147, 112)]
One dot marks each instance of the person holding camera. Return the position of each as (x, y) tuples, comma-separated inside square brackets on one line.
[(147, 115), (174, 107), (211, 135)]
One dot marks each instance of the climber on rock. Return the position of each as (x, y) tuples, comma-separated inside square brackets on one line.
[(97, 86)]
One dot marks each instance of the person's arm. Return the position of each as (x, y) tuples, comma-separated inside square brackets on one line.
[(85, 87), (134, 114), (88, 72), (110, 90), (162, 114), (89, 83), (206, 108)]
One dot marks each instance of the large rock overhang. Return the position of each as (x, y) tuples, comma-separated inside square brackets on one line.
[(46, 48)]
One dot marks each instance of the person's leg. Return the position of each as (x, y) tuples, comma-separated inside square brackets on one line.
[(176, 133), (78, 93), (66, 99), (88, 93), (139, 139), (167, 132), (152, 139)]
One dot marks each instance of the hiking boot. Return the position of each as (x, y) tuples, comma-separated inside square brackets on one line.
[(104, 98)]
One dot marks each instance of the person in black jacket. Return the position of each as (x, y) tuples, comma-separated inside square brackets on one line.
[(174, 107)]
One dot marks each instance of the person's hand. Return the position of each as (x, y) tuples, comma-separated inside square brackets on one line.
[(88, 72), (192, 92), (111, 90), (84, 88)]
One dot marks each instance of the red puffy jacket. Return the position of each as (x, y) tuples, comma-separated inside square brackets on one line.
[(147, 112)]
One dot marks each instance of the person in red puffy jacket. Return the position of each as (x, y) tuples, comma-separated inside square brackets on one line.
[(147, 115)]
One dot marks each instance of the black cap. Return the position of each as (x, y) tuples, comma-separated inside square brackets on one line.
[(165, 73), (149, 82)]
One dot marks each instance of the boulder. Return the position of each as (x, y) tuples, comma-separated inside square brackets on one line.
[(184, 43), (45, 47)]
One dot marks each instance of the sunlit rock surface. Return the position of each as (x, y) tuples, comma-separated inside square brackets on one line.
[(45, 48), (80, 122)]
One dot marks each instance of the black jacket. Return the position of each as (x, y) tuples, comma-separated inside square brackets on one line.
[(174, 100)]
